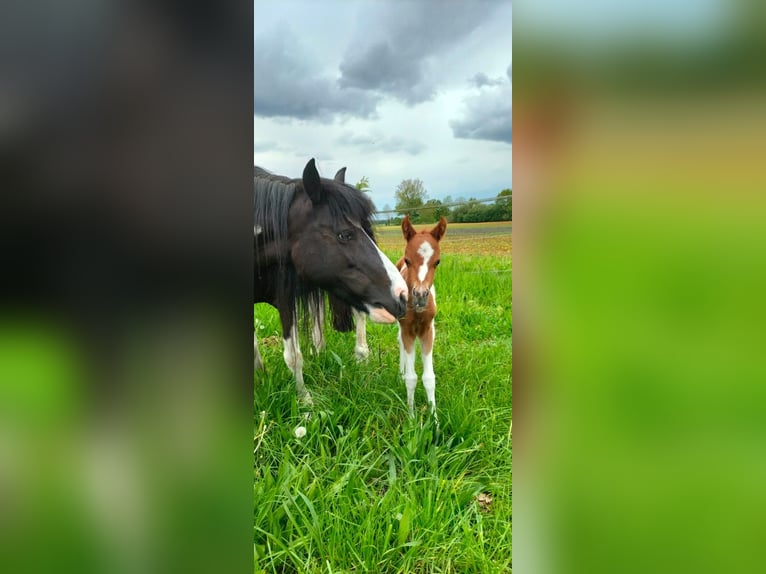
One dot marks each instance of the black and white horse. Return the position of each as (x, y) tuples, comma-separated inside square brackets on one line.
[(314, 236)]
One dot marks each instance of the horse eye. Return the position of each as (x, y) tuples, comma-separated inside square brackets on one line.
[(407, 261), (437, 262), (345, 235)]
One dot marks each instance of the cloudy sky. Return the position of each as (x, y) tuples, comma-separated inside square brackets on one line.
[(392, 89)]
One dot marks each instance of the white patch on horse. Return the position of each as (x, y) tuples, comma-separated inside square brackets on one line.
[(398, 286), (426, 251), (257, 230)]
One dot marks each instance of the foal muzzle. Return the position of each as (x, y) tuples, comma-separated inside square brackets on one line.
[(420, 299)]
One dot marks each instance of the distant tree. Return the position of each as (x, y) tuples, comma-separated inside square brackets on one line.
[(363, 184), (504, 204), (473, 211), (467, 212), (433, 210), (410, 196)]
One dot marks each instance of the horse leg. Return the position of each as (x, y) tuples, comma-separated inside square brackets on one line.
[(258, 361), (361, 350), (317, 327), (294, 360), (426, 341), (407, 368)]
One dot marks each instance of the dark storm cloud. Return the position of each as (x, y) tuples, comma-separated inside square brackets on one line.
[(404, 40), (287, 85), (487, 114), (371, 143), (480, 80)]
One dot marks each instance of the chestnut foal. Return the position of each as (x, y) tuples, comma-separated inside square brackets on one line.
[(421, 257)]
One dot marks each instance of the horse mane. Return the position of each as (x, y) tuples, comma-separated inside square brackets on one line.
[(273, 195)]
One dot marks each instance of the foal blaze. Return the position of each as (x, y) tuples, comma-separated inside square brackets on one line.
[(417, 267)]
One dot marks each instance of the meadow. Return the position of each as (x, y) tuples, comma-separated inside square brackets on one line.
[(368, 489)]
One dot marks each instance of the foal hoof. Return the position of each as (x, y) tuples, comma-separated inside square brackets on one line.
[(362, 353)]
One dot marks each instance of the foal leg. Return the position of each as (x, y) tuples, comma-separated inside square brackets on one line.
[(407, 368), (258, 361), (294, 360), (429, 379), (361, 350)]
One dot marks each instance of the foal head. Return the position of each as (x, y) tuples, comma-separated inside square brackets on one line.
[(421, 255), (332, 247)]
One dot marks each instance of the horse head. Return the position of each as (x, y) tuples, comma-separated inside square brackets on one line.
[(332, 247)]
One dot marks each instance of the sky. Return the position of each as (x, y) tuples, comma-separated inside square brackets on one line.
[(392, 90)]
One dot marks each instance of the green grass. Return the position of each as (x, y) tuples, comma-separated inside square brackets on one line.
[(367, 489)]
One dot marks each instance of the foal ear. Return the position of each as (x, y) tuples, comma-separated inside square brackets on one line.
[(407, 230), (311, 182), (440, 229), (341, 175)]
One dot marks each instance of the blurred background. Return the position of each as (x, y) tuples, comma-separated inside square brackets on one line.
[(125, 361), (125, 318), (639, 273)]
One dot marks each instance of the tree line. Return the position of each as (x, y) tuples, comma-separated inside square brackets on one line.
[(412, 199)]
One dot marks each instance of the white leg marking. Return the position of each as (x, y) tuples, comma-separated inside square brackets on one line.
[(429, 379), (317, 327), (426, 251), (401, 352), (407, 368), (361, 350), (258, 361), (294, 360)]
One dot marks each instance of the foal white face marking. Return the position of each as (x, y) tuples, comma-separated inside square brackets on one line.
[(426, 251)]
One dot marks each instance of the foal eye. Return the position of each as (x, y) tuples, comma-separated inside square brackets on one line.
[(407, 262), (437, 262), (345, 235)]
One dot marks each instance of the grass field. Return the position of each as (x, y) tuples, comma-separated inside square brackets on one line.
[(367, 489)]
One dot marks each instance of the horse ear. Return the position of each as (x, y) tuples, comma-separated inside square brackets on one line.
[(440, 229), (311, 182), (407, 230), (341, 175)]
